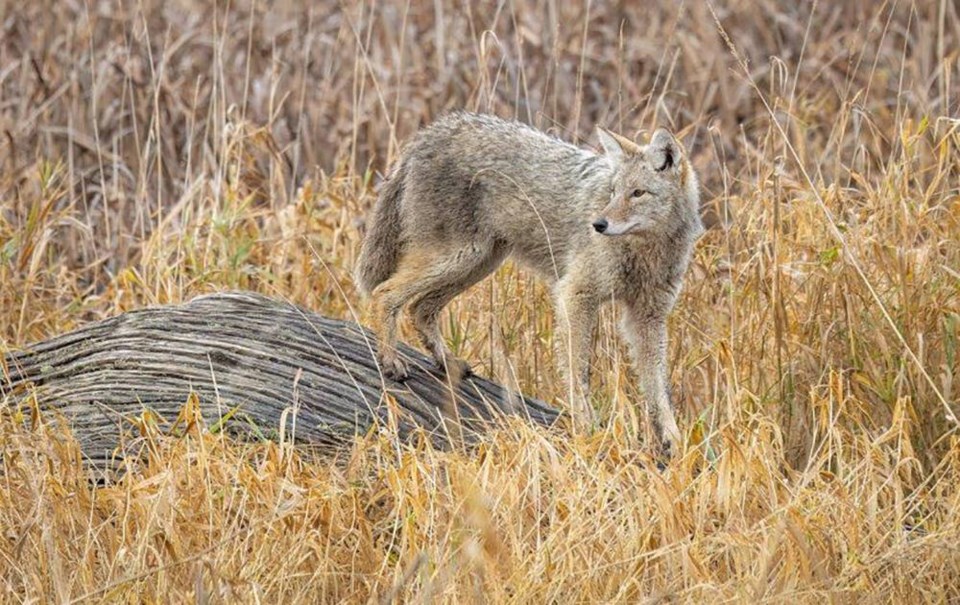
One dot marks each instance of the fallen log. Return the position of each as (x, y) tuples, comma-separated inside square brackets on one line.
[(258, 367)]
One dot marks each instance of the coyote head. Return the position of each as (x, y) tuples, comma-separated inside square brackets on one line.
[(653, 188)]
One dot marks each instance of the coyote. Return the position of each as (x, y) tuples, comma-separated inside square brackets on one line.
[(471, 190)]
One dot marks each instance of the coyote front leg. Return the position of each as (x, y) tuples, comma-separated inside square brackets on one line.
[(577, 310), (648, 340)]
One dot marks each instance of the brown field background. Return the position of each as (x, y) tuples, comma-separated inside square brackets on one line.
[(152, 151)]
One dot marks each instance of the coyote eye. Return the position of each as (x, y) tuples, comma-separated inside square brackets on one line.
[(638, 193)]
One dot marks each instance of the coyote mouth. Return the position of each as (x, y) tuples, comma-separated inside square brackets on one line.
[(613, 229)]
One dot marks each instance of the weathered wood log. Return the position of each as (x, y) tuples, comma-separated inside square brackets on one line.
[(249, 359)]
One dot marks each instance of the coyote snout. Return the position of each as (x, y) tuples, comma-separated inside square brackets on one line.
[(471, 190)]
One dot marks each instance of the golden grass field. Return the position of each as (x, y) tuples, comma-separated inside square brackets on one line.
[(152, 151)]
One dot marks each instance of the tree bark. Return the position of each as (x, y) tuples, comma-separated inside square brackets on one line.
[(253, 363)]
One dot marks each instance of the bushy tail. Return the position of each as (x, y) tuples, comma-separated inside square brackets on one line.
[(381, 247)]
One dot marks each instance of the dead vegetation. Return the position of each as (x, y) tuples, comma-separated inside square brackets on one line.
[(152, 151)]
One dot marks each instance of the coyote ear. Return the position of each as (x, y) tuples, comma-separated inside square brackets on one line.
[(611, 146), (664, 150), (616, 146)]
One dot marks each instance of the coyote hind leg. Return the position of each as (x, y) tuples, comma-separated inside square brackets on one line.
[(388, 308), (429, 278), (426, 309)]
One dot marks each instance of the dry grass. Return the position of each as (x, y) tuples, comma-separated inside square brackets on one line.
[(153, 151)]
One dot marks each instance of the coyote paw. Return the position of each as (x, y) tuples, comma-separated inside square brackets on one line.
[(457, 369), (394, 368), (585, 416), (667, 448)]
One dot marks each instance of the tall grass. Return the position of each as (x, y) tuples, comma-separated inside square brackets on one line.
[(152, 151)]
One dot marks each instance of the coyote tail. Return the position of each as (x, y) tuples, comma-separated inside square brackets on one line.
[(382, 245)]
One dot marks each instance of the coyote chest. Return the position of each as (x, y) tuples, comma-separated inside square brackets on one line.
[(651, 275)]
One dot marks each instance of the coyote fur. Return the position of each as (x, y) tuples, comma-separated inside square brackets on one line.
[(470, 190)]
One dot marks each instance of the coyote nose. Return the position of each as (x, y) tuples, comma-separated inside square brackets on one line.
[(600, 225)]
